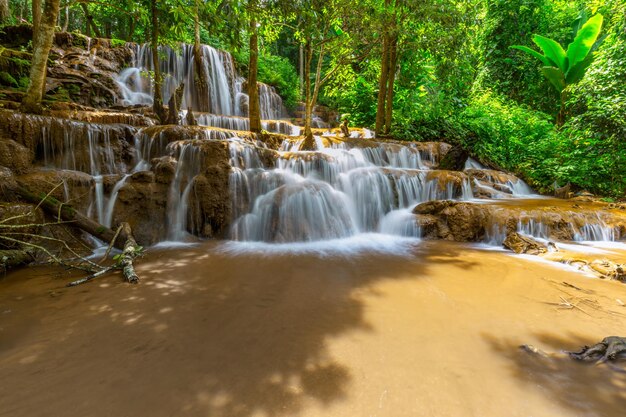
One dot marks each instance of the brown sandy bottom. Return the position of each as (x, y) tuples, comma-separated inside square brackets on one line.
[(207, 333)]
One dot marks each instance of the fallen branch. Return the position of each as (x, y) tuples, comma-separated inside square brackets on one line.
[(124, 260), (68, 213), (131, 251)]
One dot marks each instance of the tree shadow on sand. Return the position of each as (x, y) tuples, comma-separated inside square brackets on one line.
[(213, 334), (586, 389)]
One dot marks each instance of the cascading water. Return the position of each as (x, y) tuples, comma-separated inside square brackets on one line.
[(225, 86), (335, 192)]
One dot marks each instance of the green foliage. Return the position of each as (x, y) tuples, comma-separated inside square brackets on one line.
[(276, 71), (525, 142), (116, 43), (562, 67), (8, 80)]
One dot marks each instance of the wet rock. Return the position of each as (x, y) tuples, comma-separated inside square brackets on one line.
[(458, 221), (209, 205), (454, 159), (493, 221), (68, 144), (72, 187), (104, 117), (523, 244), (142, 176), (8, 184), (14, 156), (144, 206), (164, 169)]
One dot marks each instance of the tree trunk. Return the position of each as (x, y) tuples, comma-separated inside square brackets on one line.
[(382, 87), (90, 23), (308, 143), (301, 71), (393, 62), (174, 105), (5, 13), (157, 104), (200, 74), (36, 18), (132, 21), (66, 24), (254, 108), (31, 102)]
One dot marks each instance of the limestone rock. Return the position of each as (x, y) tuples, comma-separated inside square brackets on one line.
[(523, 244)]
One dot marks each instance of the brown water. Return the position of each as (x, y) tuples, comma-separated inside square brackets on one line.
[(433, 331)]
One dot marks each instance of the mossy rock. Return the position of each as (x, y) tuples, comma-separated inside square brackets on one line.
[(8, 80)]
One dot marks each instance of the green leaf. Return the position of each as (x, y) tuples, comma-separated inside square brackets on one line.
[(555, 76), (534, 53), (577, 72), (578, 23), (585, 38), (552, 50)]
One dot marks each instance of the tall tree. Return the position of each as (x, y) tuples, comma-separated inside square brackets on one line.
[(391, 19), (5, 13), (157, 104), (31, 102), (36, 5), (200, 74), (254, 107)]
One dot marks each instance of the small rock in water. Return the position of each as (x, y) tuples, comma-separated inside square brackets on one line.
[(524, 244)]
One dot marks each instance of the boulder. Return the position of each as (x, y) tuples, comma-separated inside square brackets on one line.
[(454, 159), (14, 156), (519, 243), (458, 221)]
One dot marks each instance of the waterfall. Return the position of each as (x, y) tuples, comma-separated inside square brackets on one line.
[(225, 86), (337, 191)]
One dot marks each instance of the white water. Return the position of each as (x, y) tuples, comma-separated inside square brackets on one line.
[(225, 86)]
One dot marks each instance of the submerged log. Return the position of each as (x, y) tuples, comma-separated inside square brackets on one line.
[(13, 258)]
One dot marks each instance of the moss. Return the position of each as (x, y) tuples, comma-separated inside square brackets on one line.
[(23, 83), (79, 40), (116, 43), (60, 94), (7, 79)]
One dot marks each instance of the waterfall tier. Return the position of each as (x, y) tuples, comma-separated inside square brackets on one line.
[(226, 94), (181, 182)]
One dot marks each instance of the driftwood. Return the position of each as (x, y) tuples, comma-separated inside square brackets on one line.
[(65, 212), (121, 239), (124, 260), (609, 349), (131, 251)]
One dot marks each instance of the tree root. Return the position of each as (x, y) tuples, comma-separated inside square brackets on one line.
[(609, 349)]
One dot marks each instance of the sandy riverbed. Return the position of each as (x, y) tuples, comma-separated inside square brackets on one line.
[(432, 330)]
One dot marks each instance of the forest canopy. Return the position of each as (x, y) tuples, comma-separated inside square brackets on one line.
[(469, 72)]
